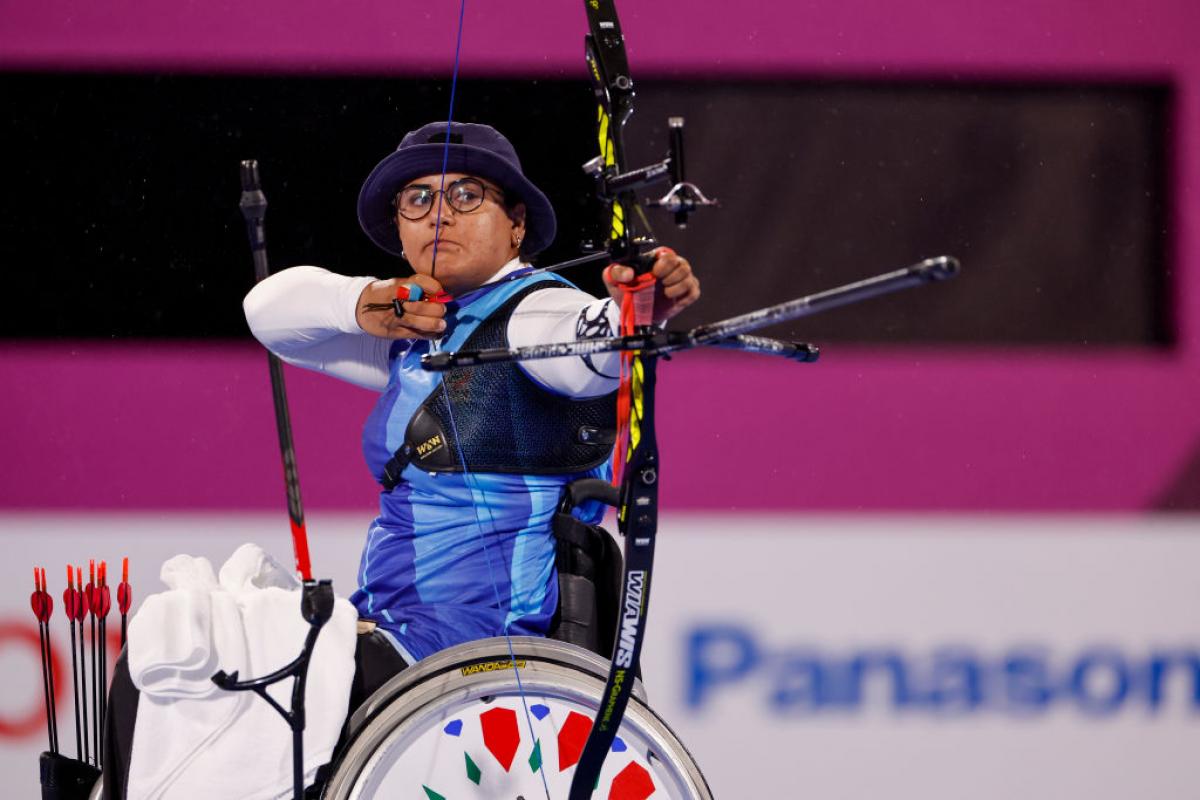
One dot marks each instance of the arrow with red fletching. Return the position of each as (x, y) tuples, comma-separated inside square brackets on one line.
[(92, 590), (103, 607), (73, 607), (124, 593), (93, 603), (74, 602), (103, 598), (124, 596), (43, 606), (82, 609), (40, 601)]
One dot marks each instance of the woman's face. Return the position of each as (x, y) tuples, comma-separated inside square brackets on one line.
[(471, 245)]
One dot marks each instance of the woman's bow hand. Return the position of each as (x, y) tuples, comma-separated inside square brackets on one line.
[(675, 286), (421, 319)]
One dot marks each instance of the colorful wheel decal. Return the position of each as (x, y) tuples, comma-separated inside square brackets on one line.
[(501, 736), (500, 732), (632, 783), (571, 739)]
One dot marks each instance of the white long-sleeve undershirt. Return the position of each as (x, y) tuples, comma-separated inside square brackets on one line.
[(306, 316)]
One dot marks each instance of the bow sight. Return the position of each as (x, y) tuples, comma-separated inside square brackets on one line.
[(604, 49), (682, 199)]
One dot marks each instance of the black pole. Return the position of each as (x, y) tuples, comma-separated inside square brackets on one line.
[(253, 204), (316, 597)]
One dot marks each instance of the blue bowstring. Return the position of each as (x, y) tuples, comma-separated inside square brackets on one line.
[(470, 480), (437, 225)]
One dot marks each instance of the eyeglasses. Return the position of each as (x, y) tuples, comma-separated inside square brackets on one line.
[(464, 195)]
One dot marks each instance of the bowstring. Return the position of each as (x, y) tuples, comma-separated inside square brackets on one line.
[(473, 486)]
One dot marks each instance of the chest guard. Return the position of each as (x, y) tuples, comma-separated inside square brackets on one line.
[(503, 421)]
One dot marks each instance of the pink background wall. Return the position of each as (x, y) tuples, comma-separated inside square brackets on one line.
[(137, 425), (158, 426)]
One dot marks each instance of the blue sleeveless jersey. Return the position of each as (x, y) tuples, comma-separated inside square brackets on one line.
[(454, 557)]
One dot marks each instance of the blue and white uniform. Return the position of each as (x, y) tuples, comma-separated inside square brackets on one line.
[(453, 556)]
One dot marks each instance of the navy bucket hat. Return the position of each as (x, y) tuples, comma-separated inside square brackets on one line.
[(475, 150)]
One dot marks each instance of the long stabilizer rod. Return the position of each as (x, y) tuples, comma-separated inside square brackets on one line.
[(254, 208)]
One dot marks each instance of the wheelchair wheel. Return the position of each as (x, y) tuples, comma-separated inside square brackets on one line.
[(454, 726)]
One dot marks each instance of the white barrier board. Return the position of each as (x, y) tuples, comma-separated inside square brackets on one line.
[(798, 657)]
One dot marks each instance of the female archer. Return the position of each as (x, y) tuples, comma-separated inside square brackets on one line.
[(471, 462)]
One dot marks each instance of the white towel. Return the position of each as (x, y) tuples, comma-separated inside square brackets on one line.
[(251, 567), (192, 739), (173, 651)]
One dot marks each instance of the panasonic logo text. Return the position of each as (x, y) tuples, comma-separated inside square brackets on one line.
[(730, 663)]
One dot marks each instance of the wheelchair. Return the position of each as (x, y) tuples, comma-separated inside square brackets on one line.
[(465, 723), (459, 724)]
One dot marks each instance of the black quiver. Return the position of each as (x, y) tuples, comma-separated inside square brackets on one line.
[(65, 778), (589, 566)]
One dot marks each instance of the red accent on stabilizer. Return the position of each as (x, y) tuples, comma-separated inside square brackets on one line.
[(631, 783), (571, 739), (501, 736), (300, 547)]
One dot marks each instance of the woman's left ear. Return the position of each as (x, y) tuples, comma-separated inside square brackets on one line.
[(517, 215)]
